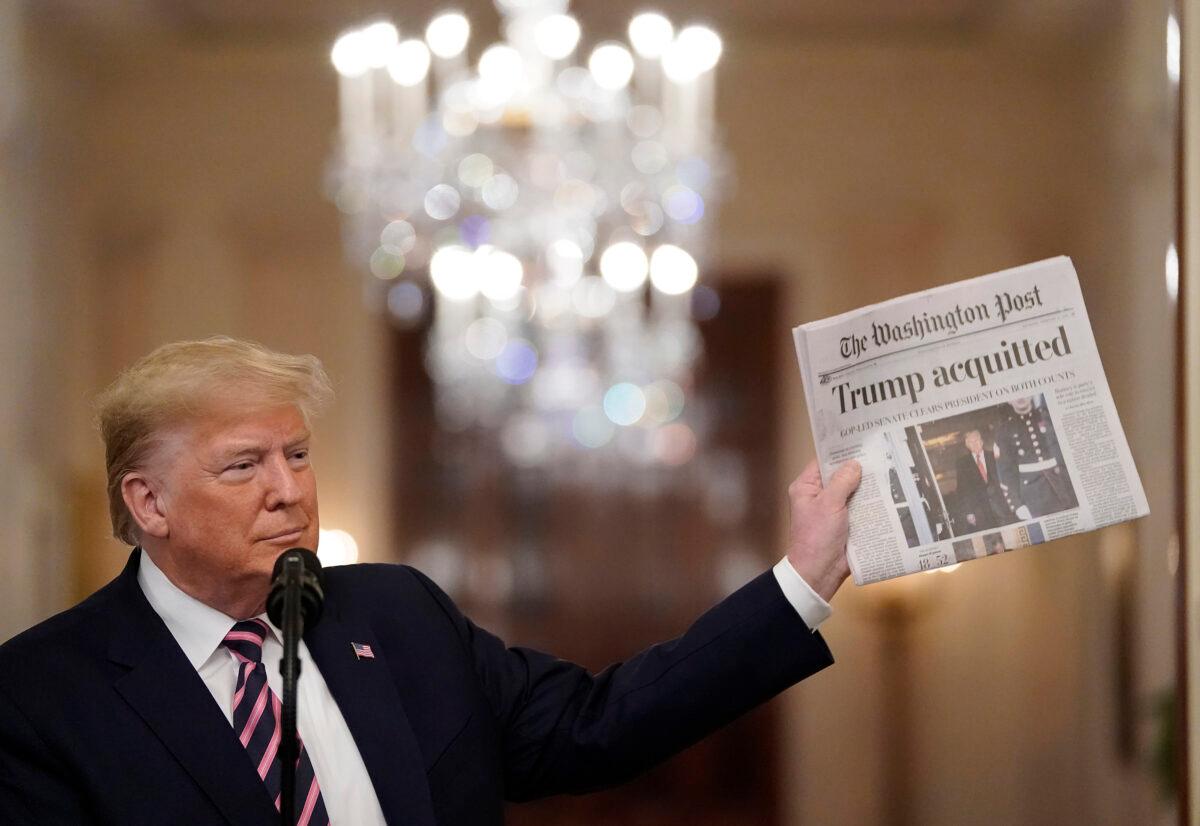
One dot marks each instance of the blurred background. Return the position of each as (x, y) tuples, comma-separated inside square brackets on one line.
[(587, 466)]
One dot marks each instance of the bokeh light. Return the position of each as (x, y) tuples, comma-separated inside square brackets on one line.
[(378, 40), (703, 46), (475, 169), (349, 55), (624, 403), (517, 362), (336, 547), (442, 202), (501, 65), (650, 33), (658, 406), (683, 204), (624, 266), (591, 428), (500, 192), (674, 444), (474, 230), (676, 398), (564, 260), (447, 34), (409, 62), (673, 271), (500, 274), (386, 263), (452, 270), (405, 302), (611, 66), (399, 235), (556, 35)]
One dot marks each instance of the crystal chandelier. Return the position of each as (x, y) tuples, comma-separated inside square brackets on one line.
[(552, 209)]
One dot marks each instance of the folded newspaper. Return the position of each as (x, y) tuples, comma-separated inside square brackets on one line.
[(980, 414)]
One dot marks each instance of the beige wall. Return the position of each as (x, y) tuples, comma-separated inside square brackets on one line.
[(175, 191)]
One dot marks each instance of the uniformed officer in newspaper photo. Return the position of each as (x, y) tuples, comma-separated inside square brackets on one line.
[(1030, 462)]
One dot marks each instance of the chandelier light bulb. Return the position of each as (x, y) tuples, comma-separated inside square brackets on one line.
[(703, 47), (651, 34), (672, 270), (678, 65), (565, 261), (447, 34), (379, 39), (502, 65), (611, 66), (409, 62), (500, 274), (453, 272), (623, 266), (349, 55), (556, 35)]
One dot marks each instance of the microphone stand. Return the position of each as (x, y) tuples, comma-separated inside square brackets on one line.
[(289, 669)]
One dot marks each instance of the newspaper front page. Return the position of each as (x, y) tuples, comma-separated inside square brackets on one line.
[(980, 414)]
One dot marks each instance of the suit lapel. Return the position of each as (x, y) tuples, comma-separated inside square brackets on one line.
[(370, 702), (165, 691)]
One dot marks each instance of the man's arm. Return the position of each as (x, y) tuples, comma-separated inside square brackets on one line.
[(566, 730)]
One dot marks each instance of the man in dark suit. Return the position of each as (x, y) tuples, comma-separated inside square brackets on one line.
[(1030, 462), (156, 700), (977, 487)]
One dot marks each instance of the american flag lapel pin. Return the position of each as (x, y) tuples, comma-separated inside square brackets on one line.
[(362, 651)]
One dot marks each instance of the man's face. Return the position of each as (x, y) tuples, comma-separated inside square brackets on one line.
[(1022, 405), (237, 491), (974, 441)]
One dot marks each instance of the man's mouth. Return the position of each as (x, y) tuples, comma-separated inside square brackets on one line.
[(285, 536)]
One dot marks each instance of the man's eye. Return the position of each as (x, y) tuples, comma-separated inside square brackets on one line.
[(241, 466), (302, 455)]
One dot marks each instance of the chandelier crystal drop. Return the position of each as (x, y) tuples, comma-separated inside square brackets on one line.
[(548, 203)]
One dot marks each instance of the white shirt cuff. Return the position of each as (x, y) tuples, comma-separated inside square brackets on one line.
[(807, 602)]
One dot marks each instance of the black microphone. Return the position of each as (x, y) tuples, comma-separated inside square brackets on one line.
[(305, 575), (294, 604)]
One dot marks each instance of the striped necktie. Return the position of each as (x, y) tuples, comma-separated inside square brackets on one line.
[(257, 717)]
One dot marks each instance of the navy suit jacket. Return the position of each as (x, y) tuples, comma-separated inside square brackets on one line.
[(104, 720)]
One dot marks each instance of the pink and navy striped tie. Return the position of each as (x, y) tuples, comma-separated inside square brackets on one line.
[(256, 720)]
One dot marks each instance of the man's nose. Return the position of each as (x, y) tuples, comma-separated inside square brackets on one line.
[(283, 488)]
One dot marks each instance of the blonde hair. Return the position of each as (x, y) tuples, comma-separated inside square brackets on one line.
[(183, 380)]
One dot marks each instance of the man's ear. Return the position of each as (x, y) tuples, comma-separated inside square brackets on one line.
[(143, 497)]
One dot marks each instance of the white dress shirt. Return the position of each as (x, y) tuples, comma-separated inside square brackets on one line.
[(346, 787), (807, 602)]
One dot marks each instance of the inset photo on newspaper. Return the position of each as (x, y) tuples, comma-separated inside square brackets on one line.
[(999, 465), (978, 471)]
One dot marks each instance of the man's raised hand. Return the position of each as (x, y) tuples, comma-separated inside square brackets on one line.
[(820, 525)]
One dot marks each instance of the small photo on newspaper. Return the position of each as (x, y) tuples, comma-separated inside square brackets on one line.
[(981, 417)]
